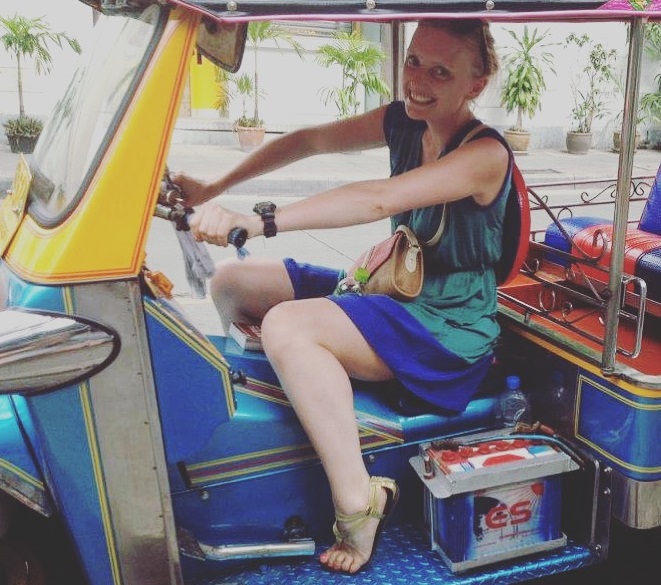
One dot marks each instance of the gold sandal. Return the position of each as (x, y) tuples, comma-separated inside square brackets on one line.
[(354, 522)]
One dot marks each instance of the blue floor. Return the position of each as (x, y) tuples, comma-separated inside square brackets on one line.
[(404, 558)]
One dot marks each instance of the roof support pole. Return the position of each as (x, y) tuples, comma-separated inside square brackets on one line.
[(636, 40)]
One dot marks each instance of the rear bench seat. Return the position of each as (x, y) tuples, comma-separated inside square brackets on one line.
[(593, 235)]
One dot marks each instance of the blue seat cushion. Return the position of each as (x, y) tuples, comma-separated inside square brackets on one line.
[(650, 220)]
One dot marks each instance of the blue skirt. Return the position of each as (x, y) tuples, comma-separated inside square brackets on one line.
[(420, 363)]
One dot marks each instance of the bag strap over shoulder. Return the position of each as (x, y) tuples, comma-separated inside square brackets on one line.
[(441, 226), (472, 133)]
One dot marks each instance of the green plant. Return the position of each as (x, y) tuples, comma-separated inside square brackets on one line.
[(258, 33), (358, 59), (593, 82), (25, 126), (229, 86), (650, 103), (526, 65), (25, 37)]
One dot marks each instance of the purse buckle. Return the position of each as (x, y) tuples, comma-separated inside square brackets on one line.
[(411, 258)]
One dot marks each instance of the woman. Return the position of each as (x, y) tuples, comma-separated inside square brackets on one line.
[(435, 345)]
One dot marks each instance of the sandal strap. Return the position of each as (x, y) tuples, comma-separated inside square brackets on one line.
[(354, 521)]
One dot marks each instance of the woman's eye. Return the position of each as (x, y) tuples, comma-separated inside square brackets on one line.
[(439, 72)]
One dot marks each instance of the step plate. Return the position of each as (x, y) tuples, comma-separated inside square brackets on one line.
[(404, 557)]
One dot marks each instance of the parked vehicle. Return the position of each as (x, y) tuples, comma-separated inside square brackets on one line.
[(142, 451)]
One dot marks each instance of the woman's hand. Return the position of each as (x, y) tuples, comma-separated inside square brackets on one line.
[(195, 191), (212, 223)]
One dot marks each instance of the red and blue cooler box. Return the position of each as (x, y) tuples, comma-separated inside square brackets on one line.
[(492, 497)]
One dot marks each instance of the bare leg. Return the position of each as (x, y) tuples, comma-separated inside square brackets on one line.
[(244, 290), (314, 348)]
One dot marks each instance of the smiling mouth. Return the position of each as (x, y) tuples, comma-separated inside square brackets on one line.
[(419, 98)]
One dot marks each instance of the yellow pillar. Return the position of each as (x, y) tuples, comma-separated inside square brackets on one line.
[(203, 87)]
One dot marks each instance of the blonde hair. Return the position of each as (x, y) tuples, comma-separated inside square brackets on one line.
[(478, 34)]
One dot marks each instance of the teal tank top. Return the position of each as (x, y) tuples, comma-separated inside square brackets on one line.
[(458, 302)]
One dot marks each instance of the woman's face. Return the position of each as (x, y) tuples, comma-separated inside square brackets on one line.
[(438, 78)]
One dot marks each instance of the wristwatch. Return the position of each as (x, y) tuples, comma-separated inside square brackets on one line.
[(266, 210)]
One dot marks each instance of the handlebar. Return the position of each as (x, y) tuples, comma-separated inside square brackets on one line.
[(172, 206)]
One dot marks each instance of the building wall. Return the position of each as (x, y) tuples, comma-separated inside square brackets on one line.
[(292, 87)]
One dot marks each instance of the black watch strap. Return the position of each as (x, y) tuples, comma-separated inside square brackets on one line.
[(266, 210)]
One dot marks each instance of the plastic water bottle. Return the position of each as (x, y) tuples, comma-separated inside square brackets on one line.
[(514, 405)]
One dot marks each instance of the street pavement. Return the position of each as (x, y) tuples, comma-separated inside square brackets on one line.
[(336, 247)]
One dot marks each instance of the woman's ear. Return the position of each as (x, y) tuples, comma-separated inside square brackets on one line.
[(478, 87)]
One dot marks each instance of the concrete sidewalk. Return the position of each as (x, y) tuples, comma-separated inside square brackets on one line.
[(322, 172)]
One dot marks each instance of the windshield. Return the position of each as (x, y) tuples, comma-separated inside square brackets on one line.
[(83, 122)]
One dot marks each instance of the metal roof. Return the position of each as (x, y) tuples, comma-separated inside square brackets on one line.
[(385, 10)]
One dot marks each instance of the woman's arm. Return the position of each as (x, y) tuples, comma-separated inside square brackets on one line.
[(476, 170), (359, 132)]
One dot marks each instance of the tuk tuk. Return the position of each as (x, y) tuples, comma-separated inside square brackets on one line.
[(136, 449)]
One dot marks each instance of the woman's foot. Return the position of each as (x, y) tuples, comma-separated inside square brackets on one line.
[(357, 534)]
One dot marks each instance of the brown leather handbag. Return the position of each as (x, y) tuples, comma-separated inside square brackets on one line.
[(392, 267)]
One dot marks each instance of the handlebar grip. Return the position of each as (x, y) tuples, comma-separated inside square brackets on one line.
[(237, 237)]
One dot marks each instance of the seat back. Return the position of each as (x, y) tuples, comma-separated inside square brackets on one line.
[(516, 230)]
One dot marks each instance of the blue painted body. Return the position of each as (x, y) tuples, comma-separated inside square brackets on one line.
[(238, 463), (617, 426)]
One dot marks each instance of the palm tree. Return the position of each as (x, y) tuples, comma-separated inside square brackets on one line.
[(358, 59), (31, 37)]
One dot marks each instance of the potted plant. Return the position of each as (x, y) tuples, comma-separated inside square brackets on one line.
[(23, 133), (590, 89), (650, 103), (642, 115), (524, 84), (230, 85), (250, 129), (25, 37), (358, 60)]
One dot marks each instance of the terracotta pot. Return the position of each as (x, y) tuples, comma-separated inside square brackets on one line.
[(518, 140), (579, 142), (250, 137)]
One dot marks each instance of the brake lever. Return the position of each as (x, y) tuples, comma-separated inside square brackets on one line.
[(237, 237)]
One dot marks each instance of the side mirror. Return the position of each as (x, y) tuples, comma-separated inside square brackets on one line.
[(223, 44), (42, 351)]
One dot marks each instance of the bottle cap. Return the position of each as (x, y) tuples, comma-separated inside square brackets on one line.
[(512, 382)]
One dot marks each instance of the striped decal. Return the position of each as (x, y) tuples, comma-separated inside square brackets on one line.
[(93, 445), (22, 475), (250, 463), (373, 432), (99, 481)]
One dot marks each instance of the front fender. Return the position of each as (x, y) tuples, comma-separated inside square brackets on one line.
[(20, 475)]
